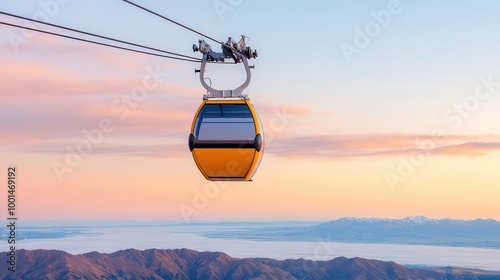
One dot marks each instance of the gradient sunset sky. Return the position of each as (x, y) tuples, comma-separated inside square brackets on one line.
[(370, 109)]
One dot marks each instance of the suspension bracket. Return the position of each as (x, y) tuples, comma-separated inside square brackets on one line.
[(217, 93)]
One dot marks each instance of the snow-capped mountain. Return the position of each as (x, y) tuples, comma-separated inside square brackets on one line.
[(411, 230)]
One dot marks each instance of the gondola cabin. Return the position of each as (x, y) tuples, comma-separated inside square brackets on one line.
[(226, 139)]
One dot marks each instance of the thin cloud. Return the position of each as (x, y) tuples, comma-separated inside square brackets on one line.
[(266, 110), (41, 81), (167, 150), (379, 145), (469, 149), (342, 147), (58, 120)]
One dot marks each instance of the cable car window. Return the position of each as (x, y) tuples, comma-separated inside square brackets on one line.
[(225, 122)]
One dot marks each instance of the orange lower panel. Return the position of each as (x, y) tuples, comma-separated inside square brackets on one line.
[(226, 163)]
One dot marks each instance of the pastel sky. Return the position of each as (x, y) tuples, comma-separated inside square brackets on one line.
[(370, 109)]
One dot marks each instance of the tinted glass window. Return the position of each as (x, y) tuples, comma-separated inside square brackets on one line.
[(225, 122)]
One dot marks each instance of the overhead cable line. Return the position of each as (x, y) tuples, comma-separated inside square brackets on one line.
[(99, 43), (172, 21), (104, 37)]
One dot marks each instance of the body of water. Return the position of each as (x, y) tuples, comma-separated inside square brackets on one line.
[(110, 238)]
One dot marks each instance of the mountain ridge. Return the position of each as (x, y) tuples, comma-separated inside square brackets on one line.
[(189, 264), (416, 230), (420, 219)]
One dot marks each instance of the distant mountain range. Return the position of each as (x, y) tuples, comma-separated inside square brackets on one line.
[(412, 230), (187, 264)]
